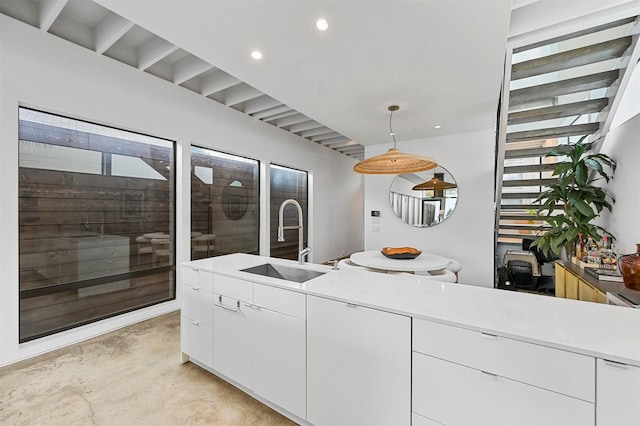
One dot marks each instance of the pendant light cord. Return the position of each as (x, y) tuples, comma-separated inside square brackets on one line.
[(393, 135)]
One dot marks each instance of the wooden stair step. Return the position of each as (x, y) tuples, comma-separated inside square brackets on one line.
[(531, 168), (519, 196), (576, 34), (531, 152), (524, 207), (553, 132), (563, 87), (557, 111), (572, 58), (529, 182)]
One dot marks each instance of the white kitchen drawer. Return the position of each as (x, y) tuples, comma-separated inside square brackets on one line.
[(197, 304), (452, 394), (233, 287), (284, 301), (618, 394), (561, 371), (197, 278), (196, 340)]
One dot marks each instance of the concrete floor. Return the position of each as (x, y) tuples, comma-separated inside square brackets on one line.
[(131, 376)]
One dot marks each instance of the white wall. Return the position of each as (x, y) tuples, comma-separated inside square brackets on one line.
[(623, 145), (42, 71), (466, 235)]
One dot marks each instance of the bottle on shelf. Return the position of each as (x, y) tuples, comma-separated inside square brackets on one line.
[(579, 247), (593, 256)]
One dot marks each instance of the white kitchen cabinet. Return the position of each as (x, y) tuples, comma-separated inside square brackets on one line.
[(453, 394), (196, 321), (618, 394), (260, 340), (279, 358), (498, 381), (233, 346), (358, 365)]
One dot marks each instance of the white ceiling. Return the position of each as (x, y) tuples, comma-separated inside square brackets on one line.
[(441, 61)]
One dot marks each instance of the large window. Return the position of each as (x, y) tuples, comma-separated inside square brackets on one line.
[(287, 183), (96, 212), (225, 204)]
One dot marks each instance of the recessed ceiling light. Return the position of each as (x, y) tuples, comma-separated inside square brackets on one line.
[(322, 24), (256, 54), (437, 126)]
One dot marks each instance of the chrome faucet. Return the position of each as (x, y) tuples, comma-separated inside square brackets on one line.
[(302, 252)]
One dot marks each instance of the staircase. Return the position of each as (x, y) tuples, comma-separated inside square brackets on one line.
[(559, 90)]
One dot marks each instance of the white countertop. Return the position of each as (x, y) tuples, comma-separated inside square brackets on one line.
[(605, 331)]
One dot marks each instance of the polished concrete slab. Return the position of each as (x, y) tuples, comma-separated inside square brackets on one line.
[(132, 376)]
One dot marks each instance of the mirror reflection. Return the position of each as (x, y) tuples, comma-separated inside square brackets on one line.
[(424, 199), (234, 200)]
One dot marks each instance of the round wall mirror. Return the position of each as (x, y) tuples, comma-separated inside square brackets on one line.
[(234, 200), (424, 199)]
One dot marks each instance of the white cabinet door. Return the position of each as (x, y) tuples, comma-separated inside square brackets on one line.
[(232, 351), (618, 394), (358, 365), (196, 340), (452, 394), (196, 337), (279, 360)]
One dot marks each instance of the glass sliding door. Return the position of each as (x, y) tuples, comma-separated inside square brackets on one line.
[(225, 204), (96, 214), (287, 183)]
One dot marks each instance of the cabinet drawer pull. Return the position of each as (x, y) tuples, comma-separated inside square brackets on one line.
[(252, 306), (488, 335), (351, 305), (196, 270), (226, 307), (615, 364), (195, 288), (489, 375), (195, 323)]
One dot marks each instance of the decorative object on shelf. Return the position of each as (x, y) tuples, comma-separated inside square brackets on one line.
[(582, 200), (394, 162), (629, 266), (400, 252), (604, 274)]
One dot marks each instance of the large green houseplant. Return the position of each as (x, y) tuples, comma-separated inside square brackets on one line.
[(575, 190)]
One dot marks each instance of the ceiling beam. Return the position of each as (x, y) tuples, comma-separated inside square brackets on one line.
[(324, 136), (316, 131), (292, 119), (263, 103), (110, 30), (189, 67), (49, 12), (240, 93), (283, 114), (216, 82), (337, 142), (350, 149), (307, 125), (153, 51), (272, 111)]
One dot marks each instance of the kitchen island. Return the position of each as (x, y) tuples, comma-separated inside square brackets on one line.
[(359, 347)]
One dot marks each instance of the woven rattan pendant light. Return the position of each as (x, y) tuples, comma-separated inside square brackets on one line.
[(434, 184), (394, 162)]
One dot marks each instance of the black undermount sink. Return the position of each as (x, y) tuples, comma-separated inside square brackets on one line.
[(287, 273)]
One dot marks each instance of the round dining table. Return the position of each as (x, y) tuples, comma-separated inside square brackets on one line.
[(375, 259)]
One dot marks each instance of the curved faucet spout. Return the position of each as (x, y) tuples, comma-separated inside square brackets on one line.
[(281, 226)]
